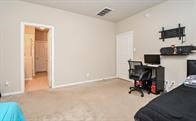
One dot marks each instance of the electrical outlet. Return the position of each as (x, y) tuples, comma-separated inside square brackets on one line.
[(172, 82), (166, 85), (169, 85), (166, 82)]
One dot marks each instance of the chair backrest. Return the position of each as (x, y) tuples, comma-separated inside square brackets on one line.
[(132, 64), (132, 70), (138, 73)]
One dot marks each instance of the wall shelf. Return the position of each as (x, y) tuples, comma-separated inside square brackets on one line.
[(174, 54), (177, 50)]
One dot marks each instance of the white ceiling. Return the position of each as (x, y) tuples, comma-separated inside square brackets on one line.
[(121, 9)]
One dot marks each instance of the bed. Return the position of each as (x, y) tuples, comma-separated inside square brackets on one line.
[(176, 105), (11, 112)]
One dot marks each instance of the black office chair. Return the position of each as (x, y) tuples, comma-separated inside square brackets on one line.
[(138, 74)]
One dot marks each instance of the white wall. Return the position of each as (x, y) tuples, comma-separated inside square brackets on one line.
[(82, 44), (87, 45), (146, 33)]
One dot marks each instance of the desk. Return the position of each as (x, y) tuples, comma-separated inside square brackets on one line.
[(158, 75)]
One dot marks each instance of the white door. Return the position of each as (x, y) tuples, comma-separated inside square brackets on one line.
[(41, 56), (124, 53), (28, 56)]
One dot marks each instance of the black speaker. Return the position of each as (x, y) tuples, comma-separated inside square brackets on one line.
[(184, 49), (167, 50)]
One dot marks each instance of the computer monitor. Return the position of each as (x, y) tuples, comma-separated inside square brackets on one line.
[(191, 67), (152, 59)]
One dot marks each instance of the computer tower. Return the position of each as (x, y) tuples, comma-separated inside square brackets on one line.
[(160, 78)]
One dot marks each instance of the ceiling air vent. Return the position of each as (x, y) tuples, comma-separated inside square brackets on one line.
[(104, 12)]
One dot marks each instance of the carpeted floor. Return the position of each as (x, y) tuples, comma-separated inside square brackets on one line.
[(106, 100)]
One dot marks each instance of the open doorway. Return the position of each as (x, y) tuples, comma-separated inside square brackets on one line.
[(37, 57)]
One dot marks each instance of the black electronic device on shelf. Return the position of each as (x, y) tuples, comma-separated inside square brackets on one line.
[(177, 50), (171, 33)]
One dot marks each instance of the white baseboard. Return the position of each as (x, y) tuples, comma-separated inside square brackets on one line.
[(125, 79), (11, 93), (83, 82), (63, 85)]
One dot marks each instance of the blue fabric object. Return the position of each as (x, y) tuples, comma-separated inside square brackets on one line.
[(11, 112)]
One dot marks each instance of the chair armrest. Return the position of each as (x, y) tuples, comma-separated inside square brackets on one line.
[(142, 74)]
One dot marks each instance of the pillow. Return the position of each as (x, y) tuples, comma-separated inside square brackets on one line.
[(190, 81)]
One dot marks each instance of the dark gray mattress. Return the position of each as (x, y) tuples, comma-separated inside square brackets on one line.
[(176, 105)]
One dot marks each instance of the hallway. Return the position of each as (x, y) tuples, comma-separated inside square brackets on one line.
[(39, 82)]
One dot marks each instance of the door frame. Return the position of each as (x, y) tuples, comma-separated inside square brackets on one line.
[(50, 51), (131, 49)]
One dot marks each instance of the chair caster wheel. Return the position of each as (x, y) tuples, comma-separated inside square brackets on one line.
[(142, 95)]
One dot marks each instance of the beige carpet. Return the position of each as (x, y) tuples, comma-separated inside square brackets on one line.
[(106, 100)]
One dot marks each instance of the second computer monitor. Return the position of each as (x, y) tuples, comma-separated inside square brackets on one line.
[(152, 59)]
